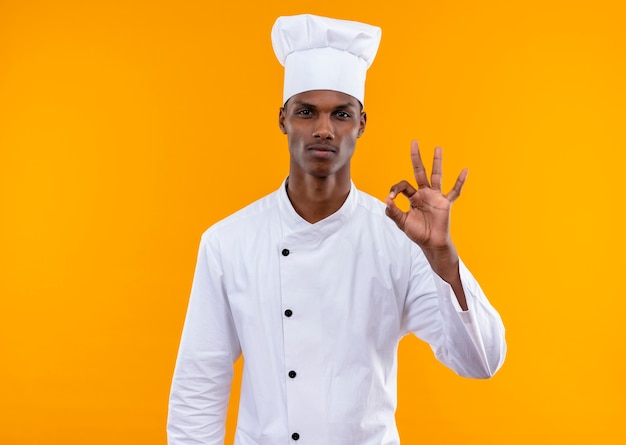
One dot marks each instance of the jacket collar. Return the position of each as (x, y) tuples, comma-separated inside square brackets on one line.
[(294, 224)]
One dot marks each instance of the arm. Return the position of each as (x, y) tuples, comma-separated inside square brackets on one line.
[(204, 368), (464, 330), (470, 342)]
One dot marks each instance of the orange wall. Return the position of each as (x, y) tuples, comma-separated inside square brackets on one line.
[(128, 127)]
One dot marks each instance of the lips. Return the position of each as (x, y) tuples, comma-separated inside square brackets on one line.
[(321, 152), (322, 148)]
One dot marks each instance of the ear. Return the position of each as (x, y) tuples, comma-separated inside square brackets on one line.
[(362, 122), (281, 120)]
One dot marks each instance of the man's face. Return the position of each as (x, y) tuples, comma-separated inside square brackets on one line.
[(322, 127)]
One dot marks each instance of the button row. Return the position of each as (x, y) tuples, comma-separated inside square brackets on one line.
[(292, 374)]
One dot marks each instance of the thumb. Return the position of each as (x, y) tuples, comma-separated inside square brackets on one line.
[(393, 212)]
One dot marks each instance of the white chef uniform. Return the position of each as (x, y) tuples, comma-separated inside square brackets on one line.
[(317, 311)]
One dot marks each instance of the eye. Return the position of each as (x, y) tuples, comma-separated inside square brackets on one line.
[(304, 112), (343, 115)]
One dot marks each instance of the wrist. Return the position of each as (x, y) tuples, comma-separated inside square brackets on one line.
[(444, 262)]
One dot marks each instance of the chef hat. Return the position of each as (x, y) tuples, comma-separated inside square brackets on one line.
[(320, 53)]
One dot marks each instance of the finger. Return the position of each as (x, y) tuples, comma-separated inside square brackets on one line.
[(458, 186), (402, 187), (418, 166), (435, 176), (393, 212)]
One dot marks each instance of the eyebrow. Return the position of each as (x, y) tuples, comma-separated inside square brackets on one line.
[(338, 107)]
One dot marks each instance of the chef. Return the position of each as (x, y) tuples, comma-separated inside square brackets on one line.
[(316, 283)]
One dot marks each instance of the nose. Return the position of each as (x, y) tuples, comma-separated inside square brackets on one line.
[(323, 128)]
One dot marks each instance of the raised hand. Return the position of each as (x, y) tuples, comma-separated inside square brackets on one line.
[(427, 222)]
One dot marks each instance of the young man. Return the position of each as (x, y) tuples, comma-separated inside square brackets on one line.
[(315, 285)]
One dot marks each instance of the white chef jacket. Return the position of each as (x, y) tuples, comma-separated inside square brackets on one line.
[(317, 310)]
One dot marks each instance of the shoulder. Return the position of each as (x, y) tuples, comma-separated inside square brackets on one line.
[(373, 209), (372, 214), (369, 203), (246, 221)]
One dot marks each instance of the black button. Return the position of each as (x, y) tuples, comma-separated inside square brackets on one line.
[(288, 313), (285, 252), (292, 374), (295, 436)]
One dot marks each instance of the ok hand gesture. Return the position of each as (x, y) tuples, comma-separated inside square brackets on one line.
[(427, 222)]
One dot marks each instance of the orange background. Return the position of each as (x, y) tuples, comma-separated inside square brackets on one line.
[(128, 127)]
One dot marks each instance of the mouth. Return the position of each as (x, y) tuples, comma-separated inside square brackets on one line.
[(321, 150)]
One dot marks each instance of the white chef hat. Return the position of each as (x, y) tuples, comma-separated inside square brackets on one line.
[(320, 53)]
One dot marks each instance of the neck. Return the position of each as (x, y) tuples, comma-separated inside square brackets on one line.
[(317, 198)]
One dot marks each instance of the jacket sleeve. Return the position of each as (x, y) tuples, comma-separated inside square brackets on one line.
[(469, 342), (204, 368)]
